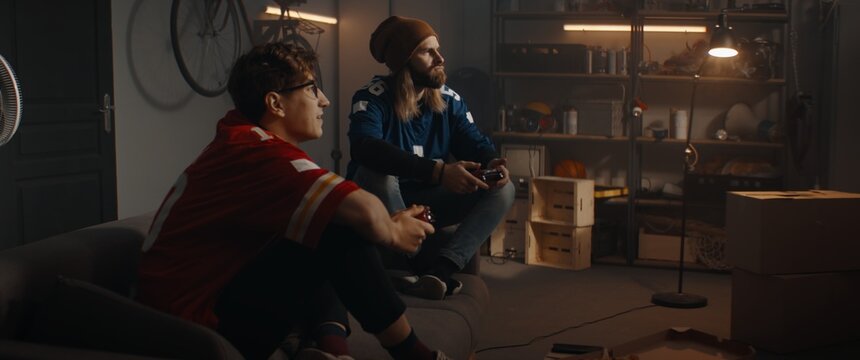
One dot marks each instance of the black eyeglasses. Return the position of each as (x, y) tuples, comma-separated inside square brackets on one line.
[(312, 84)]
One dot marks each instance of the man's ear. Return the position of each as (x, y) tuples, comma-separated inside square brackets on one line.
[(274, 104)]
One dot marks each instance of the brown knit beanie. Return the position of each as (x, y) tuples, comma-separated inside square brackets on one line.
[(396, 38)]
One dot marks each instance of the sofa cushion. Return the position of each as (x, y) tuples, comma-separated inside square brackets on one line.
[(450, 325), (83, 315)]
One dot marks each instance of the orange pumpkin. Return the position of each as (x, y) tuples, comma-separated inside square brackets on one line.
[(570, 168)]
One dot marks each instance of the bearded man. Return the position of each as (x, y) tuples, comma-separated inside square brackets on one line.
[(413, 141)]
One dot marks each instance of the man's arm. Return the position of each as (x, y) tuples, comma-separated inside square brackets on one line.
[(364, 213), (383, 157)]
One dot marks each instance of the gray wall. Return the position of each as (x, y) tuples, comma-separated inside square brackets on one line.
[(162, 125), (844, 149)]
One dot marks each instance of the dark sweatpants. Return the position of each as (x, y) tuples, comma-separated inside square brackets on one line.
[(290, 285)]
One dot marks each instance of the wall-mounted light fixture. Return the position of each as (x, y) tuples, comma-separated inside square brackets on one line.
[(274, 10), (626, 28)]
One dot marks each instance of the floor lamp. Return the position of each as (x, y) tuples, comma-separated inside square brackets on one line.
[(722, 45)]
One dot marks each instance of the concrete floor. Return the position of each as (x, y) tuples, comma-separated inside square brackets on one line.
[(530, 302)]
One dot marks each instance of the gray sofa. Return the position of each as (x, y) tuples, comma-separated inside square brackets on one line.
[(69, 297)]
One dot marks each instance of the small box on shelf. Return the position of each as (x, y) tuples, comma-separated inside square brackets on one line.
[(566, 201), (558, 246)]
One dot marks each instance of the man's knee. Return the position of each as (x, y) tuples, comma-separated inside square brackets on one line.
[(385, 187), (504, 197)]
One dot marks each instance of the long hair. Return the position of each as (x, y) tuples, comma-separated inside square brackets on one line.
[(406, 99)]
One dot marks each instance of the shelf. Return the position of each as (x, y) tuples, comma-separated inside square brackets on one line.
[(645, 202), (588, 77), (776, 17), (548, 15), (659, 264), (761, 144), (688, 79), (557, 136)]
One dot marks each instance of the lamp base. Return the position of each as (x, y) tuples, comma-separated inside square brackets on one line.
[(679, 300)]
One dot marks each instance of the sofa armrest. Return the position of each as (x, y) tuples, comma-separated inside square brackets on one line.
[(83, 315)]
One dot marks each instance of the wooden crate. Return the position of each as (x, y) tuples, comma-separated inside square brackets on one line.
[(563, 200), (558, 246)]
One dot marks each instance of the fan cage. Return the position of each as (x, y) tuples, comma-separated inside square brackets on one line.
[(10, 102)]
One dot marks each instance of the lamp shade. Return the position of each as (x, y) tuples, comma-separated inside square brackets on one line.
[(722, 41)]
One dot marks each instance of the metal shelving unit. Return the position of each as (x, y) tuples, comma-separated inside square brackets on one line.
[(632, 83)]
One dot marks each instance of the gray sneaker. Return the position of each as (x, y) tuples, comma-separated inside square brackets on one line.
[(426, 286)]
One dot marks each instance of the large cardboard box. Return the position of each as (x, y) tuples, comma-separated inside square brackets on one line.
[(788, 313), (565, 201), (665, 247), (558, 246), (789, 232), (677, 343)]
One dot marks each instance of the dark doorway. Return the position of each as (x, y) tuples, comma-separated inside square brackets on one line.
[(58, 173)]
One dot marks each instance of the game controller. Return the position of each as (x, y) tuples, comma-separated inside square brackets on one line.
[(489, 176), (426, 215)]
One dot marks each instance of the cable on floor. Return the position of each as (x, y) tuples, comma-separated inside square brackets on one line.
[(541, 337)]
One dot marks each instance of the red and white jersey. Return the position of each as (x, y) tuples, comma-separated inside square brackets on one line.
[(246, 189)]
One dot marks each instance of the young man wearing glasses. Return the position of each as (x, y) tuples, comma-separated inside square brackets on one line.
[(254, 238)]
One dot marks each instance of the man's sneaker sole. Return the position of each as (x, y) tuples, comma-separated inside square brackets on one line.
[(454, 287), (427, 287)]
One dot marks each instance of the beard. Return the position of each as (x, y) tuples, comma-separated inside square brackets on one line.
[(433, 78)]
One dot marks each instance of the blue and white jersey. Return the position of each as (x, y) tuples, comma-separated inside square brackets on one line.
[(430, 135)]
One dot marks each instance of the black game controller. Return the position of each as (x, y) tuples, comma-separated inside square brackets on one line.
[(426, 215), (489, 176)]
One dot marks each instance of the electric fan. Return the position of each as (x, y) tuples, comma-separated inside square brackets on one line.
[(10, 102)]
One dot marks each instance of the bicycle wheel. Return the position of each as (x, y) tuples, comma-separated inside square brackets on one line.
[(206, 42)]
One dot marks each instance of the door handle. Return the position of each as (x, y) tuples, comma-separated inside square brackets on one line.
[(106, 111)]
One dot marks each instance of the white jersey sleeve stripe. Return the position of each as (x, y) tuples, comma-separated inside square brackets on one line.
[(304, 214), (178, 189), (302, 165)]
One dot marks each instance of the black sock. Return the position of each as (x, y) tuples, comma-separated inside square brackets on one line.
[(410, 349), (443, 268)]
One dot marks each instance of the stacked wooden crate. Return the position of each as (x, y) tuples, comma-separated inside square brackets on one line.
[(558, 230)]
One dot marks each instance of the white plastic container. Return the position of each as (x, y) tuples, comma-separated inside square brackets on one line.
[(679, 124), (571, 121)]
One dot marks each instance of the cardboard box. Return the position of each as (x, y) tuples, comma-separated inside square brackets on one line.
[(511, 232), (599, 117), (789, 232), (564, 200), (675, 343), (665, 247), (788, 313), (558, 246), (524, 163)]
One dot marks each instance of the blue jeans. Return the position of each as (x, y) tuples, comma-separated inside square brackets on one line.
[(477, 213)]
